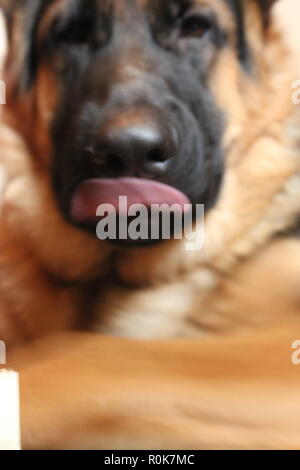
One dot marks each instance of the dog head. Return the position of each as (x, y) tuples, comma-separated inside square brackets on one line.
[(130, 97)]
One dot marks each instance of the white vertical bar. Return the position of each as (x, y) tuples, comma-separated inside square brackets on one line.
[(9, 410)]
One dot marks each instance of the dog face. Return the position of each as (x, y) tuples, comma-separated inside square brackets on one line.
[(120, 97)]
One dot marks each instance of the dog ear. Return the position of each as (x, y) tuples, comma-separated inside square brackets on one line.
[(21, 18), (266, 4), (265, 7), (8, 8)]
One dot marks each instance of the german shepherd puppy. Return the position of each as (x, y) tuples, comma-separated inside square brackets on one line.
[(175, 101)]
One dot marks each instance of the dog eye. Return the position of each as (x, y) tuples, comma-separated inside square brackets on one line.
[(77, 31), (195, 26), (74, 34)]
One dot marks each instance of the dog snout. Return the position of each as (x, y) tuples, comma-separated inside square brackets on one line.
[(143, 149)]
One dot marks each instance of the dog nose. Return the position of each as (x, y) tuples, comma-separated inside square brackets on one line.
[(142, 150)]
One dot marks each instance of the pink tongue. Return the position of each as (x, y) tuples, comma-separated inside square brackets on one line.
[(92, 193)]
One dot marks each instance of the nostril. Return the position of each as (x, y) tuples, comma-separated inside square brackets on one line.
[(110, 163), (157, 155), (107, 162), (116, 164), (89, 152)]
